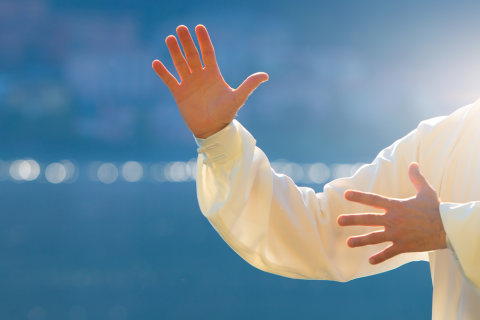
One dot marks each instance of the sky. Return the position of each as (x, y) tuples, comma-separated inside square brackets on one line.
[(76, 81)]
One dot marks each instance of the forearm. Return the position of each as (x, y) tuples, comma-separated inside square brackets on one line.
[(235, 194), (279, 227)]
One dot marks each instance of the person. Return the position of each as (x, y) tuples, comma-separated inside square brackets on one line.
[(387, 214)]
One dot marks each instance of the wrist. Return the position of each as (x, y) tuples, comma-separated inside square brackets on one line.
[(442, 237), (222, 146), (442, 241), (208, 134)]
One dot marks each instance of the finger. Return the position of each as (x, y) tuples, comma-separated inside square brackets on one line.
[(361, 219), (388, 253), (367, 239), (418, 180), (206, 46), (369, 199), (248, 86), (191, 52), (165, 75), (177, 57)]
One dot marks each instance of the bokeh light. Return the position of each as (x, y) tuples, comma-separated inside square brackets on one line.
[(355, 168), (132, 171), (15, 170), (176, 171), (55, 173), (24, 170), (157, 172), (71, 171), (278, 165), (306, 173), (107, 173), (341, 170), (192, 169), (294, 171), (319, 173)]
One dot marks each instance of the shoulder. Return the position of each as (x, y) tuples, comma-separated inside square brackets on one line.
[(437, 138), (445, 125), (435, 135)]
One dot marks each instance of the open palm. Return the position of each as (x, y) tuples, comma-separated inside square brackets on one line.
[(206, 102)]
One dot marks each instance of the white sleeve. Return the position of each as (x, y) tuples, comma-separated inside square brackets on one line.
[(462, 225), (288, 230)]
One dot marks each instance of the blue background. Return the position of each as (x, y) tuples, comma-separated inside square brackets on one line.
[(347, 78)]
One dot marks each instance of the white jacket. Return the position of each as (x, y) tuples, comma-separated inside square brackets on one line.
[(291, 231)]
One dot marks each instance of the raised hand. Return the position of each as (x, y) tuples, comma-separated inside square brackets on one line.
[(206, 102), (412, 225)]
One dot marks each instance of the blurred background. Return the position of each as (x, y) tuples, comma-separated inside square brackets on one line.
[(98, 212)]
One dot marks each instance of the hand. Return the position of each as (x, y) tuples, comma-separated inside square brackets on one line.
[(412, 225), (206, 102)]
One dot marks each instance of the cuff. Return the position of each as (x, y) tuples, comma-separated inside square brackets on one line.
[(444, 208), (450, 247), (198, 141), (222, 146)]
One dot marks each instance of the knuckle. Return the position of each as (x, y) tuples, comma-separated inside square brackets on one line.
[(384, 256), (355, 220), (365, 240), (395, 219), (362, 241), (395, 252), (191, 54), (371, 219), (397, 205), (395, 234), (397, 249), (400, 204)]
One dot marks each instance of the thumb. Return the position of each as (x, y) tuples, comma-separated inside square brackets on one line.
[(248, 86), (418, 180)]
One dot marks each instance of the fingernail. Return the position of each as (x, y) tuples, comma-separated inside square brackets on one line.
[(372, 260), (342, 220), (349, 196)]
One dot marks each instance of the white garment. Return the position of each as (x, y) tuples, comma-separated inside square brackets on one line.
[(291, 231)]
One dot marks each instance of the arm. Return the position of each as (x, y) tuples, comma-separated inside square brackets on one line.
[(273, 224), (462, 225), (288, 230)]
